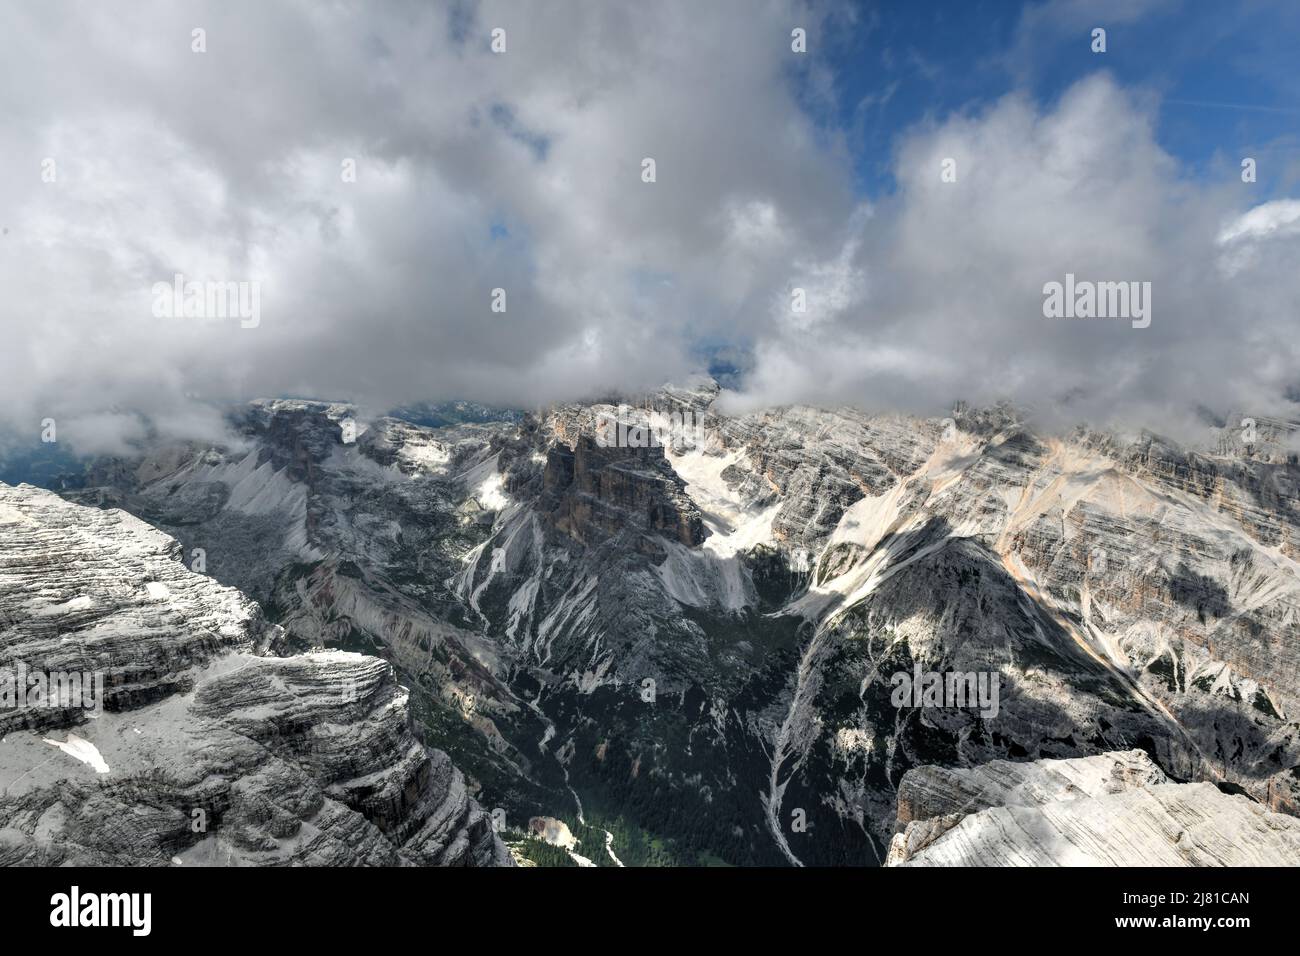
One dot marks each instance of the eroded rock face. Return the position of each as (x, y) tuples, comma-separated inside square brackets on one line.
[(140, 618), (928, 793), (1114, 809), (598, 493), (203, 751), (1127, 592)]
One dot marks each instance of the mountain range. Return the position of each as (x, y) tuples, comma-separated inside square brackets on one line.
[(483, 638)]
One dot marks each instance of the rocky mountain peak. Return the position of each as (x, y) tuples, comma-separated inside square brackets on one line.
[(199, 749), (593, 492)]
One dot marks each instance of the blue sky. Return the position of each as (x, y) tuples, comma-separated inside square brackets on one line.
[(1224, 74)]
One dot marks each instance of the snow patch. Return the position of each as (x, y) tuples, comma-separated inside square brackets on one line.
[(489, 494), (734, 527), (82, 750), (432, 458)]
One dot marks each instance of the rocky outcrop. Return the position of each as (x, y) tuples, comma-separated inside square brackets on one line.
[(1114, 809), (928, 793), (90, 591), (200, 750), (593, 493), (297, 436)]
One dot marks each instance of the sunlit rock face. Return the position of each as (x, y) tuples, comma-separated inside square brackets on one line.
[(1114, 809), (84, 590), (200, 750), (767, 574)]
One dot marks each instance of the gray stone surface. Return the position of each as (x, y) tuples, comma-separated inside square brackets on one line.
[(1108, 810), (205, 751)]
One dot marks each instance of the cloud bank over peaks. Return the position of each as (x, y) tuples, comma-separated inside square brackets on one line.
[(950, 278), (381, 173)]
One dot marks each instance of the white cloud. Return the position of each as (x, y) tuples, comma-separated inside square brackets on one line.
[(475, 171), (521, 171), (952, 307), (1257, 231)]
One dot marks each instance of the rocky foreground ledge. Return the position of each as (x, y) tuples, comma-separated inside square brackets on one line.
[(1114, 809), (199, 749)]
